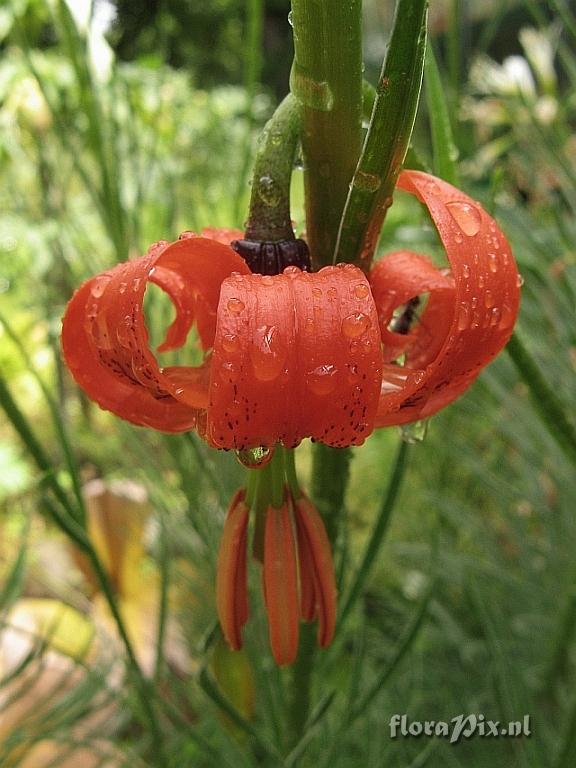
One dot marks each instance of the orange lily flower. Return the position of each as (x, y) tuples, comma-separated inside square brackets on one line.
[(291, 356)]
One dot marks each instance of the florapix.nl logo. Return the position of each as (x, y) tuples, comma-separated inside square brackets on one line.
[(459, 727)]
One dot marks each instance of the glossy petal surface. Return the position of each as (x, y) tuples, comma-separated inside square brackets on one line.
[(105, 339), (295, 355), (466, 329)]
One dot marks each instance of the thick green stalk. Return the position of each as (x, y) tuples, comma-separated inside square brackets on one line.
[(326, 79), (330, 472)]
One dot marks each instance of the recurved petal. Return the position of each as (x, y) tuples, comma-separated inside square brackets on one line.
[(231, 587), (480, 320), (105, 339)]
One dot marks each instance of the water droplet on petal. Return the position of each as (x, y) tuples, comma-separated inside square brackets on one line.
[(235, 305), (488, 299), (99, 286), (355, 325), (466, 215), (322, 380), (292, 271), (463, 316), (229, 371), (481, 281), (268, 353), (361, 291), (230, 342), (519, 281), (493, 262), (415, 432), (465, 271), (255, 458), (495, 316)]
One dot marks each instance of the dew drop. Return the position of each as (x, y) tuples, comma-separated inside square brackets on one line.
[(467, 216), (465, 271), (355, 325), (474, 302), (519, 281), (415, 432), (493, 262), (463, 316), (123, 286), (267, 280), (136, 284), (367, 182), (235, 305), (431, 187), (292, 271), (361, 291), (507, 319), (229, 371), (255, 458), (311, 93), (186, 235), (481, 281), (99, 286), (269, 191), (291, 19), (488, 299), (268, 353), (458, 238), (123, 332), (317, 292), (322, 380), (495, 316), (230, 342)]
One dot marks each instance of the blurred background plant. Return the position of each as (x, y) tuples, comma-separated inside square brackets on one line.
[(122, 124)]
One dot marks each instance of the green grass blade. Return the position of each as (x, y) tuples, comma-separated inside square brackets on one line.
[(57, 420), (444, 150), (378, 532), (545, 401)]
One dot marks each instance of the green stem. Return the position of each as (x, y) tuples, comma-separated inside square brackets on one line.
[(269, 214), (546, 403), (379, 531), (326, 79), (301, 683), (330, 472), (398, 92)]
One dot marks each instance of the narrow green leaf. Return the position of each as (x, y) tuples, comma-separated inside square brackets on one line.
[(398, 93), (378, 532), (443, 148), (546, 403), (57, 420), (404, 645)]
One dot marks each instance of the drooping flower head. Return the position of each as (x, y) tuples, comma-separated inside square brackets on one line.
[(293, 356)]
